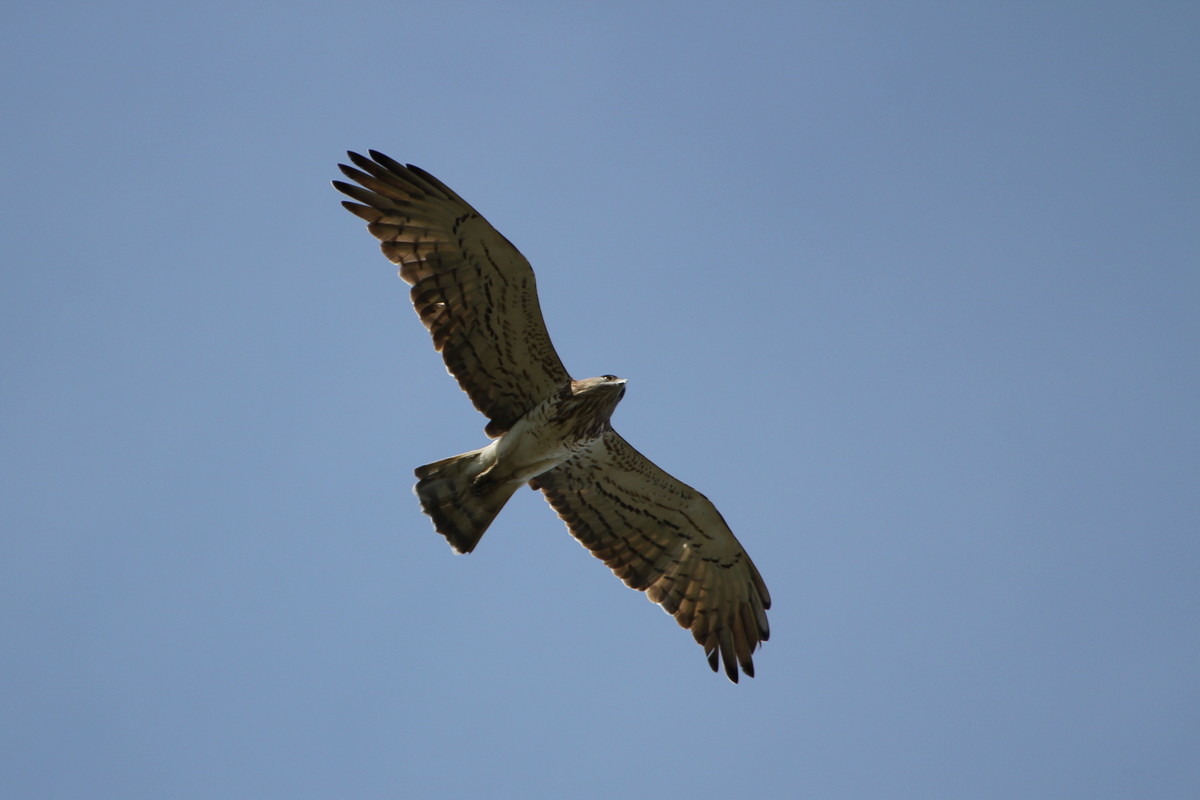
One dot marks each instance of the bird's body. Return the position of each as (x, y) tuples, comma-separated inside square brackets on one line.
[(464, 493), (477, 295)]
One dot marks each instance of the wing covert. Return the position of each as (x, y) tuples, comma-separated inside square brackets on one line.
[(663, 537), (471, 287)]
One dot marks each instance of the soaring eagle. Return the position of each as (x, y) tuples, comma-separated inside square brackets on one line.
[(476, 294)]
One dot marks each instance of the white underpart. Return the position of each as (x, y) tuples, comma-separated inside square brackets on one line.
[(529, 448)]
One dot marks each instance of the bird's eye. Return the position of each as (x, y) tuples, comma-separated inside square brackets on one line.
[(609, 377)]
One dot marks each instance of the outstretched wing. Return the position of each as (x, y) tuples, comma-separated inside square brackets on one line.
[(663, 537), (474, 291)]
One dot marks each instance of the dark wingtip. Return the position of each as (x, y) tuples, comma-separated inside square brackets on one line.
[(716, 659), (386, 161)]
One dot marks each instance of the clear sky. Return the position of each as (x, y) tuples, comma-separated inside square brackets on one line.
[(910, 290)]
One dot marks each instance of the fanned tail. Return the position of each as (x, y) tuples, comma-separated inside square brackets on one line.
[(456, 493)]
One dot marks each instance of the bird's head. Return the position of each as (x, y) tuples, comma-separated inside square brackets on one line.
[(604, 386), (599, 395)]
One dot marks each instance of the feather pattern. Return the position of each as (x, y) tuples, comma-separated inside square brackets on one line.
[(474, 291), (661, 536)]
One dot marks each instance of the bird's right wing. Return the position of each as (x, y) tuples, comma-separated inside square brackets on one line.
[(472, 288)]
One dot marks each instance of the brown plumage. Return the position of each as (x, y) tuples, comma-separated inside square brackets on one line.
[(476, 294)]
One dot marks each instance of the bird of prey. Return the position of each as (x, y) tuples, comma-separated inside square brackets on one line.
[(475, 293)]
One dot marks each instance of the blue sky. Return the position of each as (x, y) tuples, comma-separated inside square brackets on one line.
[(910, 290)]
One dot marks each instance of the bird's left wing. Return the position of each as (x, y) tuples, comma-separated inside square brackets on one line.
[(663, 537), (473, 289)]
